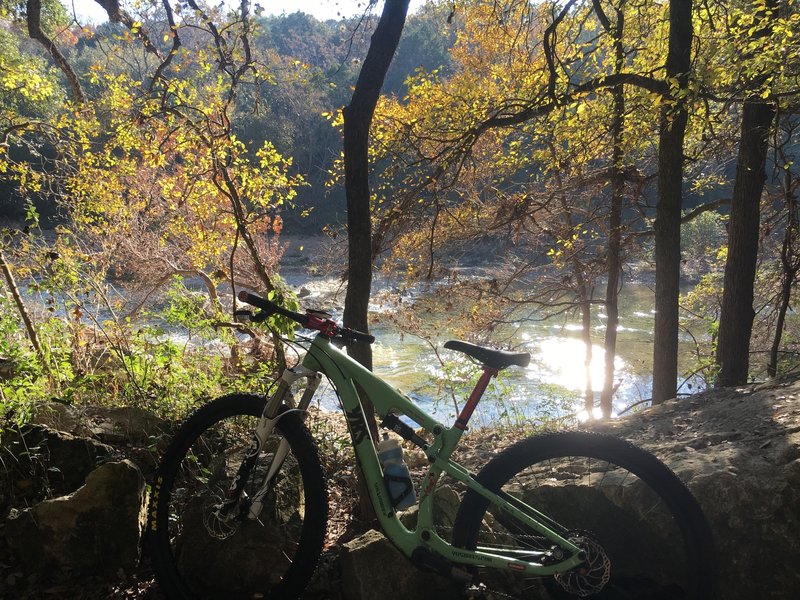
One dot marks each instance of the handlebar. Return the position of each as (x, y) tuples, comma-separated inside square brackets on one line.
[(310, 320)]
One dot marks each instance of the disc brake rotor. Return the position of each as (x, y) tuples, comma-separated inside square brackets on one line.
[(591, 576)]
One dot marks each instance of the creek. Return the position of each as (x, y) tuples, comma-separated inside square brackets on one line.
[(551, 386)]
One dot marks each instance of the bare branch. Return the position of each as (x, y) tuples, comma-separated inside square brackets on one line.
[(219, 39), (601, 15), (34, 17), (117, 14), (697, 211), (176, 44), (549, 50)]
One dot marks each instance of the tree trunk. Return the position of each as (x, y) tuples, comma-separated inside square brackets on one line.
[(736, 317), (737, 314), (225, 184), (586, 335), (789, 266), (22, 309), (672, 129), (614, 259), (35, 31), (357, 120), (787, 283), (585, 293), (613, 265)]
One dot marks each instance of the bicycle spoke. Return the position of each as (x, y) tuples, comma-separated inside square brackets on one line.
[(610, 496), (208, 543)]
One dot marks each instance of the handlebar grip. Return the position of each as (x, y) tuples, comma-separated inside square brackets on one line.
[(256, 301), (270, 307)]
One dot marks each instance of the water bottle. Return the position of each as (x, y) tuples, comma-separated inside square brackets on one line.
[(395, 473)]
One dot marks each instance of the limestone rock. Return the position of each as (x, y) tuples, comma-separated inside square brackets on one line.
[(123, 424), (55, 461), (61, 417), (445, 507), (126, 424), (738, 451), (96, 529), (373, 568), (250, 559)]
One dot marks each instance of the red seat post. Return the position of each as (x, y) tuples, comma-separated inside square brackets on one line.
[(474, 397)]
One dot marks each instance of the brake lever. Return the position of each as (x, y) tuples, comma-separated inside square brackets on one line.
[(339, 341), (243, 315), (247, 316), (260, 316)]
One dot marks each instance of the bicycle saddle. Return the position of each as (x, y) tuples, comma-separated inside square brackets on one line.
[(496, 359)]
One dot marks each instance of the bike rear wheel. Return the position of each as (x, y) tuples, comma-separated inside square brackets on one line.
[(644, 534), (203, 548)]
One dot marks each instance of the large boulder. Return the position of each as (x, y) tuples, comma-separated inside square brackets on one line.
[(738, 450), (61, 417), (127, 424), (110, 424), (42, 462), (96, 529), (372, 567)]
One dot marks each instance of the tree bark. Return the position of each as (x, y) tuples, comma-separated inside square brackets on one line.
[(736, 317), (5, 267), (357, 120), (586, 336), (737, 314), (224, 182), (787, 284), (584, 291), (790, 263), (614, 258), (672, 129), (35, 31)]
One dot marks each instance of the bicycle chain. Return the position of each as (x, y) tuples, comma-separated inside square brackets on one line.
[(492, 595), (489, 593)]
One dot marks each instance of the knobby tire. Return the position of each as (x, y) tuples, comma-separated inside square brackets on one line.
[(610, 495), (252, 560)]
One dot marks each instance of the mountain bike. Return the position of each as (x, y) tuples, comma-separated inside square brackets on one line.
[(239, 504)]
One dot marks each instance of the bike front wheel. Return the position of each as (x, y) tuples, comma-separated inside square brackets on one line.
[(203, 544), (643, 533)]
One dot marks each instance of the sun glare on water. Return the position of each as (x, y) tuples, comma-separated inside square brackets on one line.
[(560, 361)]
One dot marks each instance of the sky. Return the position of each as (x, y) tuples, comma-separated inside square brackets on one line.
[(90, 12)]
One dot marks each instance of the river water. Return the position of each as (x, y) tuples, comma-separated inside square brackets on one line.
[(551, 386)]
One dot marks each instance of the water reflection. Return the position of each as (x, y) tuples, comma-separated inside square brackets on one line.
[(552, 385), (560, 361)]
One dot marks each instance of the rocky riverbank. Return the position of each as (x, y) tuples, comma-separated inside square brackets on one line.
[(72, 497)]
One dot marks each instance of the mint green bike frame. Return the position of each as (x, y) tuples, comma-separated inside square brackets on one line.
[(347, 376)]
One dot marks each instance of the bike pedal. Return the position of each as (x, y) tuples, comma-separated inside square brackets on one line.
[(475, 592)]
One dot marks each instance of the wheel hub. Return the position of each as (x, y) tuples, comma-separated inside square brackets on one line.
[(592, 575)]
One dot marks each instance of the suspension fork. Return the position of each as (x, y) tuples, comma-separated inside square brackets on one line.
[(269, 418)]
